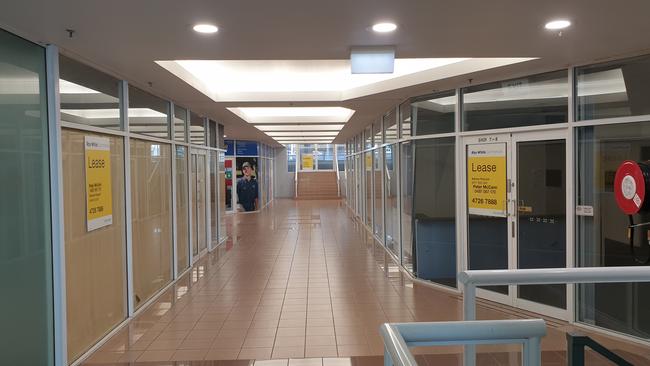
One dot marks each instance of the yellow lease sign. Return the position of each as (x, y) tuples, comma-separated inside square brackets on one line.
[(486, 179), (307, 162), (99, 195)]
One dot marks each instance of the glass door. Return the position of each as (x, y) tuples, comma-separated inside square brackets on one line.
[(489, 229), (516, 210), (201, 204), (540, 200), (198, 183)]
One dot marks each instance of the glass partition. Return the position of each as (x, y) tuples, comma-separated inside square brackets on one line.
[(222, 195), (390, 126), (148, 114), (151, 218), (434, 113), (405, 119), (392, 210), (369, 175), (325, 157), (180, 123), (531, 100), (95, 259), (613, 89), (88, 96), (601, 237), (377, 133), (377, 193), (182, 210), (26, 252), (214, 214), (197, 129), (434, 210), (406, 211)]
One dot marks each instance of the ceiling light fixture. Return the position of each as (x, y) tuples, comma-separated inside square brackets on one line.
[(206, 28), (384, 27), (557, 24)]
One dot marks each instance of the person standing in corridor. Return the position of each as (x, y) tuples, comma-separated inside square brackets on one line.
[(247, 189)]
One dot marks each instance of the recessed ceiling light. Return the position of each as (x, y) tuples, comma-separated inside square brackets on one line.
[(557, 24), (206, 28), (384, 27)]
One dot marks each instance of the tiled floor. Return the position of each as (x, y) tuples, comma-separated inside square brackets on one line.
[(302, 280)]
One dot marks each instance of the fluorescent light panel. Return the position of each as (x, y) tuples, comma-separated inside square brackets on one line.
[(300, 127), (303, 133), (257, 115)]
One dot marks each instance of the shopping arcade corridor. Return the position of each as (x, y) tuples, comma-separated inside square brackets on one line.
[(301, 279)]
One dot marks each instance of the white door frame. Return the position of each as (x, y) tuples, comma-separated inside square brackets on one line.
[(511, 140)]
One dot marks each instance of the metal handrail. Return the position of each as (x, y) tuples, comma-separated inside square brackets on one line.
[(576, 344), (399, 336), (546, 276)]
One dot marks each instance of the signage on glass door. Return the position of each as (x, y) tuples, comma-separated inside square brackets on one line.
[(99, 196), (486, 179), (307, 162)]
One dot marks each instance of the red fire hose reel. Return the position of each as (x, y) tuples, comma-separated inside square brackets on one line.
[(630, 186)]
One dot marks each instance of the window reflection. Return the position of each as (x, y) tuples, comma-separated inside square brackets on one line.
[(532, 100), (148, 115), (88, 97), (615, 89), (434, 113)]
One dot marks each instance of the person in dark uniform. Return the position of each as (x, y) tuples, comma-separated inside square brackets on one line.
[(247, 189)]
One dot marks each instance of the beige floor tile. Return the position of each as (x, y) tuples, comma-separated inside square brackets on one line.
[(290, 341), (262, 332), (189, 355), (258, 342), (320, 340), (167, 344), (194, 344), (321, 351), (317, 331), (288, 352), (151, 356), (222, 354), (278, 362), (306, 362), (255, 354)]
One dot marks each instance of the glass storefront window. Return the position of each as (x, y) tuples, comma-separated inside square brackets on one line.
[(392, 209), (88, 97), (26, 308), (377, 133), (378, 222), (434, 210), (182, 210), (601, 239), (325, 157), (367, 135), (222, 196), (148, 114), (197, 129), (367, 164), (151, 196), (291, 157), (406, 211), (613, 89), (180, 123), (95, 260), (405, 119), (390, 126), (434, 113), (531, 100), (340, 156)]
